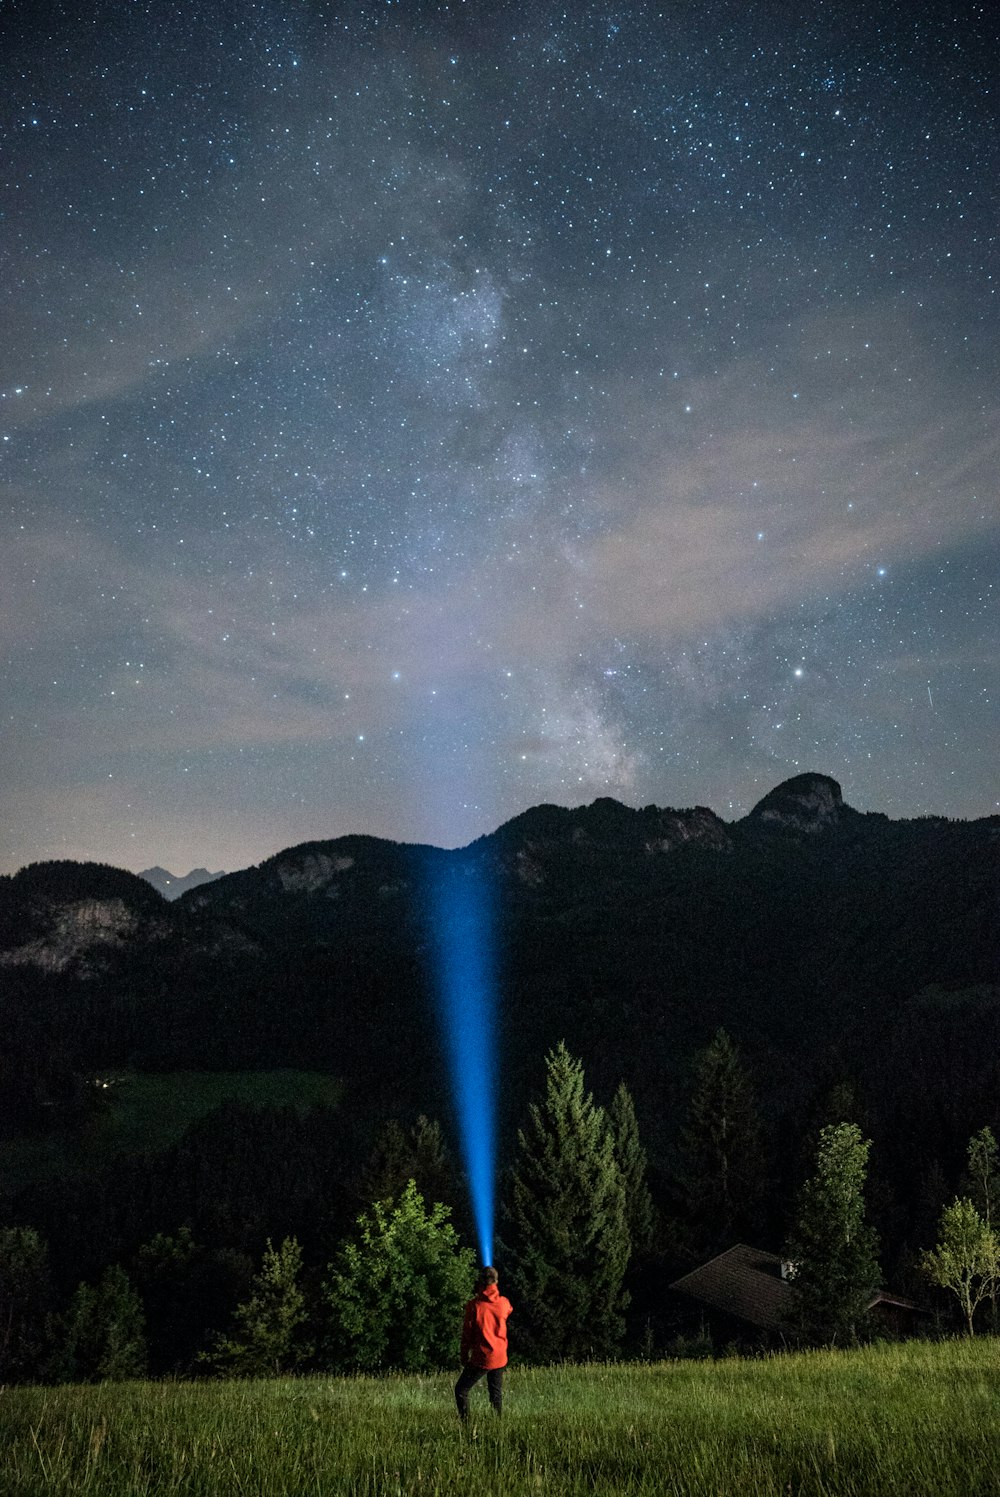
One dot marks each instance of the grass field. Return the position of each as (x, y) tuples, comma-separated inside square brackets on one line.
[(920, 1420), (143, 1114)]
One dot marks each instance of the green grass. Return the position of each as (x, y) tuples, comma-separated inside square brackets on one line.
[(920, 1420), (147, 1113)]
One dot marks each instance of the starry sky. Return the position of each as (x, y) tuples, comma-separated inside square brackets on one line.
[(411, 412)]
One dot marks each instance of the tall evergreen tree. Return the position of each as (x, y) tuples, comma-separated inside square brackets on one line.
[(720, 1176), (25, 1301), (104, 1332), (569, 1240), (188, 1293), (418, 1153), (832, 1249), (632, 1163)]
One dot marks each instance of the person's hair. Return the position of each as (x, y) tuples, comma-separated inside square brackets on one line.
[(487, 1275)]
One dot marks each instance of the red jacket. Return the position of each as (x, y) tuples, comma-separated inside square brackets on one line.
[(484, 1330)]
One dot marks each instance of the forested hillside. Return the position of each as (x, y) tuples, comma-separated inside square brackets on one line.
[(838, 949)]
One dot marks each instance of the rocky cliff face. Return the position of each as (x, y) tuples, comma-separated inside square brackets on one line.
[(78, 935), (809, 803), (544, 844), (314, 873), (683, 828), (64, 917)]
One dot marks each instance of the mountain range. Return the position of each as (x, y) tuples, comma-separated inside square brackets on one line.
[(812, 931), (172, 886), (853, 959)]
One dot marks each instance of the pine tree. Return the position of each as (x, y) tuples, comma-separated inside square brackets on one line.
[(832, 1249), (720, 1177), (104, 1332), (398, 1155), (25, 1299), (188, 1291), (569, 1240), (266, 1340), (631, 1157), (396, 1289)]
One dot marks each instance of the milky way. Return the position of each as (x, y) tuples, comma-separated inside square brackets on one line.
[(411, 413)]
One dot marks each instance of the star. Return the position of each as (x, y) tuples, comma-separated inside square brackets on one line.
[(337, 364)]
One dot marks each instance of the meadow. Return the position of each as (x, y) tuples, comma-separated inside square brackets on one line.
[(917, 1420), (141, 1114)]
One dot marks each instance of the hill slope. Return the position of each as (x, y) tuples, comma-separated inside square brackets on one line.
[(823, 939)]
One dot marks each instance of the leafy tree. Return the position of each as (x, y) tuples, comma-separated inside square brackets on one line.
[(982, 1186), (265, 1340), (104, 1332), (832, 1249), (982, 1175), (631, 1158), (967, 1257), (720, 1176), (25, 1300), (396, 1289), (831, 1102), (570, 1245)]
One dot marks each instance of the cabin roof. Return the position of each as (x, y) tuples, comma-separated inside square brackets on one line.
[(743, 1281), (747, 1282)]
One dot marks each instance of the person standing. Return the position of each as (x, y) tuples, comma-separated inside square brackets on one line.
[(484, 1342)]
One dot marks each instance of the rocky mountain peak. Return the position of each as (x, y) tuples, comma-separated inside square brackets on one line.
[(807, 803)]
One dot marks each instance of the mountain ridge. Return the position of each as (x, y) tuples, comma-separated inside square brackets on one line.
[(541, 854), (172, 885), (803, 927), (806, 802), (828, 942)]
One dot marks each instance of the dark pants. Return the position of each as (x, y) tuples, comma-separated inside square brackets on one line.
[(470, 1377)]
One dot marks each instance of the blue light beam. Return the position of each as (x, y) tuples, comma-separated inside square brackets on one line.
[(462, 925)]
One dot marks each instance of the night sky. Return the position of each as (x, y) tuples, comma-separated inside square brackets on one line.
[(411, 413)]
